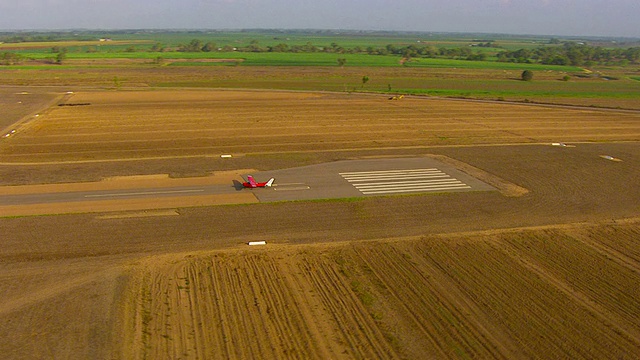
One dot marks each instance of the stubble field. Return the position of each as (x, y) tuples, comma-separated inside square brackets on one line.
[(556, 293), (157, 124), (554, 273)]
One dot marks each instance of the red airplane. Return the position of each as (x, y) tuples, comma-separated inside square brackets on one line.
[(253, 184)]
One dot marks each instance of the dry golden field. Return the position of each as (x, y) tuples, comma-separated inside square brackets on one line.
[(187, 123), (552, 293), (553, 273)]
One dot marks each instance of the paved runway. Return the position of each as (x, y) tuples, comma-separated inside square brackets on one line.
[(340, 179), (403, 181), (369, 177), (119, 194)]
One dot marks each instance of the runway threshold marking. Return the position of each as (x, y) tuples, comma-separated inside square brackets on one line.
[(403, 181)]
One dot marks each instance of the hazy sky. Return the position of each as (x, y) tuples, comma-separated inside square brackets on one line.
[(544, 17)]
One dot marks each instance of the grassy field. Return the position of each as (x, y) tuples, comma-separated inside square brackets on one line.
[(320, 38), (487, 83), (128, 61), (299, 59)]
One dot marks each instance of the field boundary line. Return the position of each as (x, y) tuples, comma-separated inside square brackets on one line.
[(607, 317), (617, 256), (26, 121)]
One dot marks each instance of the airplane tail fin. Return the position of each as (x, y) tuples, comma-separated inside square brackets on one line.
[(270, 182)]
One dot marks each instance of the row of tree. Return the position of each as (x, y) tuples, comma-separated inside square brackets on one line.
[(569, 53), (573, 54), (410, 51), (9, 58)]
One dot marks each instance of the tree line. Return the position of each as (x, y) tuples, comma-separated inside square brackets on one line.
[(568, 53), (408, 52), (575, 54)]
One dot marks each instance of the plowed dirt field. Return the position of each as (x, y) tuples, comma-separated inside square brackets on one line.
[(546, 293), (157, 124)]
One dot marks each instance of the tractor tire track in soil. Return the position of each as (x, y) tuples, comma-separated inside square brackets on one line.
[(538, 315), (510, 294), (221, 306), (421, 291), (606, 296), (624, 252)]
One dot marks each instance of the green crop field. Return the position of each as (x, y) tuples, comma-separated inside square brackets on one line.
[(326, 60)]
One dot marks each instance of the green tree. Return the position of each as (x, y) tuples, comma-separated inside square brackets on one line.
[(279, 48), (209, 47), (8, 58), (527, 75), (341, 62), (157, 47), (194, 46), (62, 56), (365, 79)]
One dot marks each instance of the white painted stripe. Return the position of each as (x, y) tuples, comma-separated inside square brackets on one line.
[(413, 173), (405, 184), (386, 171), (425, 186), (416, 190), (401, 183), (442, 175), (392, 174), (145, 193)]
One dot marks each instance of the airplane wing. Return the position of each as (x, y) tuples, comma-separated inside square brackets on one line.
[(252, 181)]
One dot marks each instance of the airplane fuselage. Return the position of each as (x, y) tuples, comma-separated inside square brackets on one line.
[(254, 184)]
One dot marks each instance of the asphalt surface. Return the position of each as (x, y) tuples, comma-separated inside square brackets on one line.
[(330, 180), (134, 193), (341, 179)]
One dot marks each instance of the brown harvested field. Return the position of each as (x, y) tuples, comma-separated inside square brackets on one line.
[(553, 273), (554, 292), (491, 295), (157, 124), (20, 102)]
